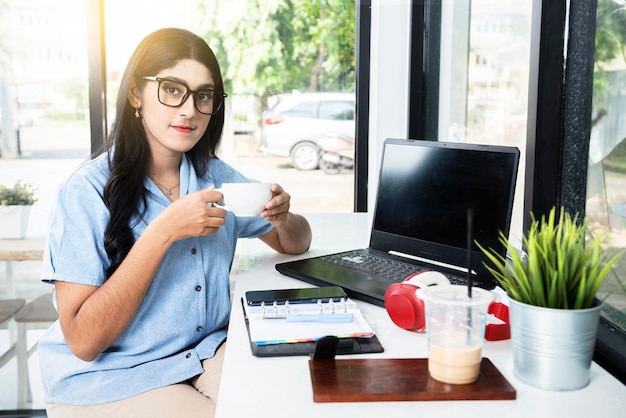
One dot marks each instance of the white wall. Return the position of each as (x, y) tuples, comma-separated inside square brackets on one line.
[(389, 82)]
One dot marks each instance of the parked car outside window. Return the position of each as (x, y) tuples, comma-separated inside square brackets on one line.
[(298, 121)]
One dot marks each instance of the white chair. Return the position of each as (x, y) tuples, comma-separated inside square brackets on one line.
[(8, 309), (37, 314)]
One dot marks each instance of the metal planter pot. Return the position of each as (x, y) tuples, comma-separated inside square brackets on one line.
[(553, 348)]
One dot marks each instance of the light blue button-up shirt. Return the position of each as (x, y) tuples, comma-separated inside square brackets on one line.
[(183, 317)]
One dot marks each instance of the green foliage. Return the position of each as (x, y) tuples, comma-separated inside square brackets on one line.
[(561, 270), (610, 30), (277, 46), (20, 194), (610, 42)]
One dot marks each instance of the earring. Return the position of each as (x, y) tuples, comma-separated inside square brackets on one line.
[(137, 114)]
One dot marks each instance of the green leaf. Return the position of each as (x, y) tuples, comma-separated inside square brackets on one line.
[(20, 194), (561, 270)]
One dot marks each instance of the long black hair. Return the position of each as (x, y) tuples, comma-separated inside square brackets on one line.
[(127, 145)]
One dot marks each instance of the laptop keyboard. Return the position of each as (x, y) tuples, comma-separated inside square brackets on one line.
[(387, 268)]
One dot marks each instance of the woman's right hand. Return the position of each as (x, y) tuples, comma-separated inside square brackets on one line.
[(192, 215)]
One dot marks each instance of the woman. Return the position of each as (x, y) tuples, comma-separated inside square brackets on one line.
[(138, 254)]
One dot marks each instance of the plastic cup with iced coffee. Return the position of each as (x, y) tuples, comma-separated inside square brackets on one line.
[(455, 325)]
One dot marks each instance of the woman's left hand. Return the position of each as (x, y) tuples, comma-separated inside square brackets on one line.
[(292, 232), (277, 208)]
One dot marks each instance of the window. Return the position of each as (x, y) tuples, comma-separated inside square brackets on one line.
[(52, 47), (44, 77), (606, 181), (307, 47), (477, 91), (484, 63)]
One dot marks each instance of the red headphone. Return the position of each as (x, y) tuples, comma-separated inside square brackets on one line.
[(406, 308)]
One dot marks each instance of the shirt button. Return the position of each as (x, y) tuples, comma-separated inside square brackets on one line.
[(199, 328), (198, 288), (194, 251), (188, 355)]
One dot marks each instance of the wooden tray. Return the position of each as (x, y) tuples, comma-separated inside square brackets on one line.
[(375, 380)]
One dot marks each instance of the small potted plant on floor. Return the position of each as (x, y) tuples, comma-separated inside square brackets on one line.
[(15, 204), (554, 308)]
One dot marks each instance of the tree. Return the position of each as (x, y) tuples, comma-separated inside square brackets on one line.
[(610, 60), (610, 44), (326, 35), (267, 47)]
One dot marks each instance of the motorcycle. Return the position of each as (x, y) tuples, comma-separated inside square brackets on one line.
[(336, 153)]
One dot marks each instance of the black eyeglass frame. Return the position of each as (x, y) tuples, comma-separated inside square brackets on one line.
[(189, 92)]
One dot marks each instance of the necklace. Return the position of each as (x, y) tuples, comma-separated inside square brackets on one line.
[(168, 190)]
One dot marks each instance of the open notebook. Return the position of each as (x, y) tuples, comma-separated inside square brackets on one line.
[(286, 322), (425, 189)]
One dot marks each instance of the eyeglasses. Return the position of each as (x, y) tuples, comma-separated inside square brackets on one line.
[(174, 93)]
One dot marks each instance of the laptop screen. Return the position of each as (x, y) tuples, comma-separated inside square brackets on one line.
[(425, 189)]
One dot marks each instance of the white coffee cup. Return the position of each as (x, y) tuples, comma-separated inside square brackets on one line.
[(245, 199)]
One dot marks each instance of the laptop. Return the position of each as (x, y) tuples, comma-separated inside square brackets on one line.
[(421, 219)]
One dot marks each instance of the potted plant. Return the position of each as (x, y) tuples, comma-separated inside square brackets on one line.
[(554, 309), (15, 204)]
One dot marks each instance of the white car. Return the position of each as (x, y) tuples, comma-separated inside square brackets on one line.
[(294, 125)]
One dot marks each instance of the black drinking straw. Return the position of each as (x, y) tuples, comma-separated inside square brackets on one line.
[(470, 238)]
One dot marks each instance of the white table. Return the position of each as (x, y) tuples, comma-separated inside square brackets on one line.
[(12, 250), (281, 386)]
